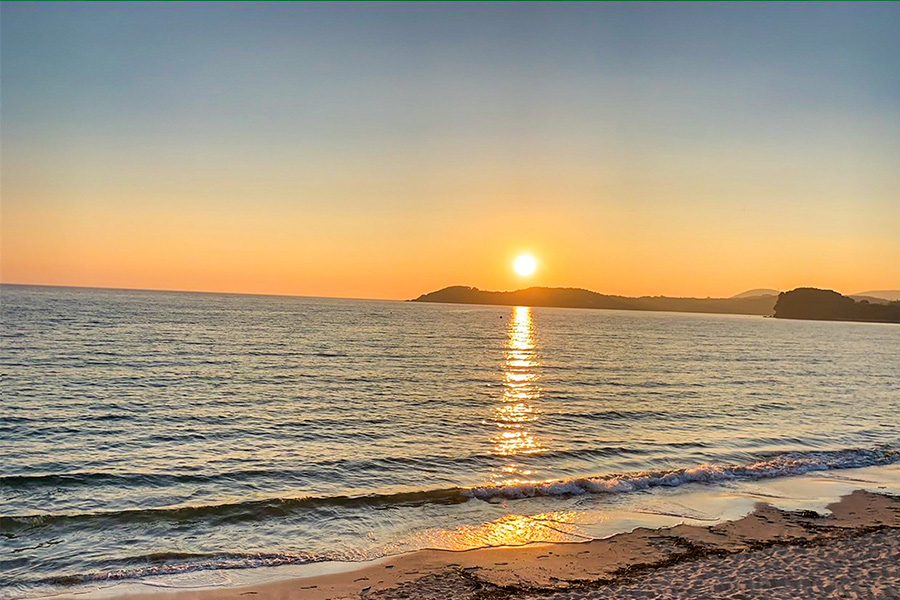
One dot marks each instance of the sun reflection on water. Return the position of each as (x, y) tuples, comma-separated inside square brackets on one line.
[(517, 408), (508, 530), (514, 417)]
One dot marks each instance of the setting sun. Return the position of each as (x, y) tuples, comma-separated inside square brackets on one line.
[(525, 265)]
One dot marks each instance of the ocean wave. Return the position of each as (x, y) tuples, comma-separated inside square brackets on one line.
[(252, 510), (24, 481), (176, 563), (778, 465), (783, 465)]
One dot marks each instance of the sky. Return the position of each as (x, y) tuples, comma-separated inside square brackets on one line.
[(387, 150)]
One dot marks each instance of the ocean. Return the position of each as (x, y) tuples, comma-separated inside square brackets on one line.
[(157, 434)]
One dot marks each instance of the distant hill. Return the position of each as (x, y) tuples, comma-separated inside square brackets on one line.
[(869, 299), (888, 295), (828, 305), (580, 298), (756, 293)]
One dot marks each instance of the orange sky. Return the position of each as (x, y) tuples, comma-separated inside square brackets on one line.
[(373, 153), (366, 253)]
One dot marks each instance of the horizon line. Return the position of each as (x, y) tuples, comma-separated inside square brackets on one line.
[(138, 289), (276, 295)]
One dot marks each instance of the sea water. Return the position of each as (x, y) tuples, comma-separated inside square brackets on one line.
[(152, 434)]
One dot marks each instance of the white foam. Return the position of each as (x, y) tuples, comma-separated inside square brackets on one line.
[(790, 464)]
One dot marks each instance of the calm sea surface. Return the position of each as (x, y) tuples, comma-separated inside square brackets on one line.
[(151, 433)]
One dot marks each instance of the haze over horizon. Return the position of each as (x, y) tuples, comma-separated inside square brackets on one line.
[(385, 151)]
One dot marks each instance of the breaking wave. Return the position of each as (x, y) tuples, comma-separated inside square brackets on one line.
[(782, 465)]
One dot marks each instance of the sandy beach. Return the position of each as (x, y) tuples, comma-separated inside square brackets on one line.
[(850, 551)]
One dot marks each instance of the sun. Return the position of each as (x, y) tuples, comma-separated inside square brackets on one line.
[(525, 265)]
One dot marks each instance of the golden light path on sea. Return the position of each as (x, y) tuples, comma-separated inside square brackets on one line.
[(518, 405)]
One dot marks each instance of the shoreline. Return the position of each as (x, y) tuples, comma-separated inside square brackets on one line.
[(579, 569)]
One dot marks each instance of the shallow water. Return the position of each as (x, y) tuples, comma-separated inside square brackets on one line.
[(149, 433)]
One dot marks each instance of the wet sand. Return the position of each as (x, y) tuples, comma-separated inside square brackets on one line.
[(853, 552)]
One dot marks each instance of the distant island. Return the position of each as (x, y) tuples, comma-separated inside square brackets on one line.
[(828, 305), (757, 292), (580, 298), (801, 303), (878, 296)]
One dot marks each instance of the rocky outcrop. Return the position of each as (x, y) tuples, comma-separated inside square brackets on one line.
[(828, 305)]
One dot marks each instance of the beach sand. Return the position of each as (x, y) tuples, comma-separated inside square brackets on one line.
[(853, 552)]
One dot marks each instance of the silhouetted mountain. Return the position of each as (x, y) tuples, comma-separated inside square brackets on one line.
[(888, 295), (813, 303), (579, 298), (756, 293), (870, 299)]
